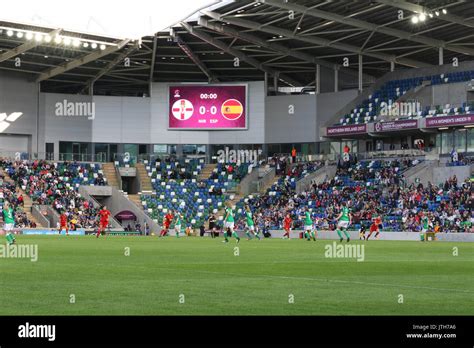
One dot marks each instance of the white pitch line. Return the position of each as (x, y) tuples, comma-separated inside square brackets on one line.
[(335, 281), (304, 278)]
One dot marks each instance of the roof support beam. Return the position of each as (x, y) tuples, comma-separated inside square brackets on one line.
[(369, 26), (90, 83), (186, 49), (242, 56), (404, 5), (316, 40), (273, 46), (25, 47), (152, 65), (81, 61)]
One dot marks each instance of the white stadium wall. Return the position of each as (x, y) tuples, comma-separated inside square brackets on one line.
[(17, 94), (327, 104), (281, 126), (122, 120), (54, 128), (145, 120)]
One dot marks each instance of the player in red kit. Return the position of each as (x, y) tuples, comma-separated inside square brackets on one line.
[(166, 224), (104, 215), (287, 224), (63, 223), (375, 227)]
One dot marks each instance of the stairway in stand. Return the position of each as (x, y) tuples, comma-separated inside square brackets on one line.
[(145, 181), (206, 171), (110, 174), (28, 203), (136, 199)]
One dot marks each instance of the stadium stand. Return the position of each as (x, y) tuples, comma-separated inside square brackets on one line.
[(369, 110), (370, 187), (56, 184)]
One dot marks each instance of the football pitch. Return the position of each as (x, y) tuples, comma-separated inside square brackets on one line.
[(203, 276)]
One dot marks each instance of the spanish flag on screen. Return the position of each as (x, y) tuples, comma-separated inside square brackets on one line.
[(232, 109)]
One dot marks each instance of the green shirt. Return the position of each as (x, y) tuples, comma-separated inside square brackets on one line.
[(249, 218), (178, 220), (230, 216), (307, 219), (8, 216), (345, 214), (425, 222)]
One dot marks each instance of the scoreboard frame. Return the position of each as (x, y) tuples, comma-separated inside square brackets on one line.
[(194, 84)]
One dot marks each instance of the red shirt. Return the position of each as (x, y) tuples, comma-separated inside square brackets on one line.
[(287, 223), (63, 219), (168, 219), (104, 215)]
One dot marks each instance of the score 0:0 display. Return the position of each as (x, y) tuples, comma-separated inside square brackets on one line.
[(202, 110)]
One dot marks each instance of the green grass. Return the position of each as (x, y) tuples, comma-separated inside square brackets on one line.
[(215, 282)]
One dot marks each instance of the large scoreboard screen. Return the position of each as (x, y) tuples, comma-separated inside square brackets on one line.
[(208, 107)]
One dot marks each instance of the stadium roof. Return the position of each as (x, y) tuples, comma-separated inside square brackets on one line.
[(286, 39)]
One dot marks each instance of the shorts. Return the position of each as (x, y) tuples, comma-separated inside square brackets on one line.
[(104, 224), (229, 224), (424, 230), (343, 224), (308, 228), (63, 226), (177, 228), (374, 228), (251, 227), (8, 227)]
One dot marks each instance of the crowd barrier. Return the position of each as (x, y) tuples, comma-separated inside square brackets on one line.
[(400, 236)]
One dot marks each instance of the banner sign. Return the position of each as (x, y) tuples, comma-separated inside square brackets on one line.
[(52, 232), (395, 125), (207, 107), (347, 130), (446, 121)]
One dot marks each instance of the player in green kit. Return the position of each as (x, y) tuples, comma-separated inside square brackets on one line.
[(177, 223), (343, 222), (8, 223), (425, 222), (308, 226), (229, 225), (250, 224)]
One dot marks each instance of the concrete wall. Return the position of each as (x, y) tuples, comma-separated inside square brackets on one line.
[(17, 94), (54, 128), (318, 177), (117, 202), (453, 93), (441, 174), (327, 104), (282, 127)]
